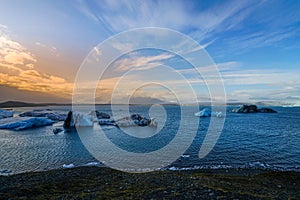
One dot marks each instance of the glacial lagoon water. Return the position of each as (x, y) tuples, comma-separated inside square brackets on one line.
[(260, 141)]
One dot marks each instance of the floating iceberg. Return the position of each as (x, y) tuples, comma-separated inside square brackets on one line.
[(79, 120), (68, 166), (203, 113), (208, 113), (44, 113), (136, 120), (102, 115), (20, 123), (253, 109), (108, 122), (85, 120), (92, 164), (6, 114)]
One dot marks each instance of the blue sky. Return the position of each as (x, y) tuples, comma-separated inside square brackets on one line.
[(255, 44)]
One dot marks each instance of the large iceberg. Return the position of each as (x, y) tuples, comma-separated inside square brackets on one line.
[(79, 120), (252, 109), (21, 123), (44, 113), (6, 113), (208, 113), (136, 120)]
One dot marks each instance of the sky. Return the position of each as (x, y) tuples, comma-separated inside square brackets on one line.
[(254, 44)]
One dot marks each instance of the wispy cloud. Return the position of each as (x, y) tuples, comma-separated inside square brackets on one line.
[(3, 26), (180, 15), (12, 52), (141, 62)]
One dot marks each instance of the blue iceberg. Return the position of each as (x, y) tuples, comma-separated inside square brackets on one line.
[(21, 123), (208, 113), (6, 114)]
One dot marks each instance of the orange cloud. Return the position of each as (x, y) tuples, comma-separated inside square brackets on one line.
[(18, 70)]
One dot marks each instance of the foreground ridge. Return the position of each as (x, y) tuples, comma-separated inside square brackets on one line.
[(99, 183)]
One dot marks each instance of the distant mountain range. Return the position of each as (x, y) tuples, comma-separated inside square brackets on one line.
[(9, 104), (139, 101)]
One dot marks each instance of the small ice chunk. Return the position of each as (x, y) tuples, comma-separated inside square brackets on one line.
[(68, 166)]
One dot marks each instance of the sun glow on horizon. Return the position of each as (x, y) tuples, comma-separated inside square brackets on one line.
[(256, 51)]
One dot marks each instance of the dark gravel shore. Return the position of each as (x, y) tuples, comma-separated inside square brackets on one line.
[(104, 183)]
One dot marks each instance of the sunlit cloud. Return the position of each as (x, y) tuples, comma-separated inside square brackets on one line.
[(141, 62), (12, 52), (247, 43), (21, 73)]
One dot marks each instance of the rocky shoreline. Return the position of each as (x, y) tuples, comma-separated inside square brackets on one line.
[(105, 183)]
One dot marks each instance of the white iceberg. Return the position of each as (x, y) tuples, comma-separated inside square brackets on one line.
[(68, 166), (208, 113), (20, 123), (203, 113), (6, 114), (92, 164)]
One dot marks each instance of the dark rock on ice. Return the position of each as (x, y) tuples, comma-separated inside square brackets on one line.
[(57, 130), (136, 120), (252, 109), (68, 121), (267, 110), (79, 119), (246, 109), (102, 115), (109, 122)]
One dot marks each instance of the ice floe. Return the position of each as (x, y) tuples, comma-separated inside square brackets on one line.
[(185, 156), (6, 114), (92, 164), (44, 113), (68, 165), (136, 120), (20, 123)]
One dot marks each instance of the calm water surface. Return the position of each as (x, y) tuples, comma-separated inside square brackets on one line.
[(259, 140)]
